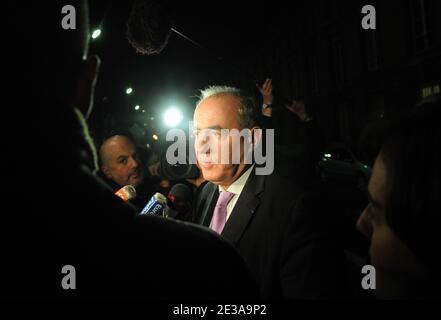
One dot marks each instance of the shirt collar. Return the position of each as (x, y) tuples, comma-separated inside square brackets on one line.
[(237, 186)]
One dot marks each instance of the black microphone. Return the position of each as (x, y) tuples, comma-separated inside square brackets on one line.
[(180, 200)]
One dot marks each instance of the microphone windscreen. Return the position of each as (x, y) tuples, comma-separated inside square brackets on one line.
[(149, 26), (181, 191), (126, 193)]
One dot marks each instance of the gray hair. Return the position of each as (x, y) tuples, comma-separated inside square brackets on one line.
[(247, 117)]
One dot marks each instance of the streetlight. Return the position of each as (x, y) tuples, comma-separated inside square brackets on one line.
[(129, 90), (137, 107), (96, 33), (172, 117)]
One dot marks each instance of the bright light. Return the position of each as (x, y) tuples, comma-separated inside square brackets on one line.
[(172, 117), (96, 33), (327, 155), (137, 107), (155, 137), (129, 90)]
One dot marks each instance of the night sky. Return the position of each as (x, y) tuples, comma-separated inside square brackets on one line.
[(233, 37), (313, 50)]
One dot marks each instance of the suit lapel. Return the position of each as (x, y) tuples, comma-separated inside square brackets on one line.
[(244, 209), (208, 206)]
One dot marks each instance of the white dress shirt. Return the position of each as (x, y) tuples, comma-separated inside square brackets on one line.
[(236, 187)]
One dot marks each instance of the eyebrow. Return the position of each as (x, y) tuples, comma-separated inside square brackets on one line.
[(215, 127)]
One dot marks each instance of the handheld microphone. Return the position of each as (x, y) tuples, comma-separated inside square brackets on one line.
[(156, 205), (180, 197), (126, 193)]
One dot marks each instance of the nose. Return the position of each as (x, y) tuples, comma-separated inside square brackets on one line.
[(201, 144), (364, 224), (134, 162)]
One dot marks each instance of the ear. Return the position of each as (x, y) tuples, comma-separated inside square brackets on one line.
[(105, 170), (86, 85)]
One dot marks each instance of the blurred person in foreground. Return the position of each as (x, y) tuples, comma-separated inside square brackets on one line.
[(403, 217), (75, 219)]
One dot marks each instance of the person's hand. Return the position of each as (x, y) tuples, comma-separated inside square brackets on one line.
[(154, 169), (298, 107), (267, 112), (266, 90)]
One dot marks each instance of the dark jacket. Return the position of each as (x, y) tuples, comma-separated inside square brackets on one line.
[(288, 248), (74, 219)]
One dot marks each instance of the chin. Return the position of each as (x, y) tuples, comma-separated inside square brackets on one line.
[(213, 174)]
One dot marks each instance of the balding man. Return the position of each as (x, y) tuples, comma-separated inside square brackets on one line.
[(275, 226), (120, 165), (120, 161)]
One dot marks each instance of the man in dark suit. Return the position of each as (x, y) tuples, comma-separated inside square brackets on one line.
[(73, 219), (277, 230)]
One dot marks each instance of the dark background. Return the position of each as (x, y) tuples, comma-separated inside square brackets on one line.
[(313, 50)]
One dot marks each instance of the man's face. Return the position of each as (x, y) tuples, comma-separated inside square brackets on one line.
[(120, 161), (397, 269), (212, 115)]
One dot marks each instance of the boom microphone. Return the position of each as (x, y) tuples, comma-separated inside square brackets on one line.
[(149, 26)]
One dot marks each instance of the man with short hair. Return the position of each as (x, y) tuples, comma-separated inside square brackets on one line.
[(288, 249), (120, 161)]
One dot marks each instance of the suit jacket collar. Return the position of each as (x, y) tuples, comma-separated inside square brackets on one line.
[(244, 209), (207, 212)]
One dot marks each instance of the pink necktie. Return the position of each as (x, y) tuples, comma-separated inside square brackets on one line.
[(220, 212)]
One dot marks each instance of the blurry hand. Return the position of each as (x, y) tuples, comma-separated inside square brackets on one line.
[(266, 90), (298, 107), (267, 112)]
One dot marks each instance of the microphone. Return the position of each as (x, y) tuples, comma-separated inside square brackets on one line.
[(180, 197), (126, 193), (156, 205), (149, 26)]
